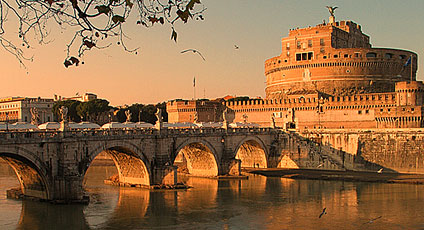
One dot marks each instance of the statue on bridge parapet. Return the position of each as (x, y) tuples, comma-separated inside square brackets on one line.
[(196, 117), (245, 117), (159, 122), (128, 115), (228, 116), (225, 122), (63, 111), (273, 121), (35, 117)]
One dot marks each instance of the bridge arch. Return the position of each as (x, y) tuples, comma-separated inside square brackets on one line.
[(197, 157), (131, 163), (32, 173), (252, 153)]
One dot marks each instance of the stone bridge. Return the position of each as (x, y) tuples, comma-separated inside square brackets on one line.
[(51, 165)]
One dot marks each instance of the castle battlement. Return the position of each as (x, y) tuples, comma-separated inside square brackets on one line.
[(329, 76)]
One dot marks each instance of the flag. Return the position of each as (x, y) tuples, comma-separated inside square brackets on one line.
[(407, 62), (194, 81)]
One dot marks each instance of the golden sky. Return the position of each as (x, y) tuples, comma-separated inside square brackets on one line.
[(160, 72)]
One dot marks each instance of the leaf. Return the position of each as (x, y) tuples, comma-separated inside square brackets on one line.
[(71, 61), (74, 60), (117, 19), (184, 15), (154, 19), (89, 44), (129, 3), (103, 9), (67, 63), (174, 35), (191, 4)]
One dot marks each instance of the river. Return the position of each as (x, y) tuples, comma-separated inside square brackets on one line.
[(256, 203)]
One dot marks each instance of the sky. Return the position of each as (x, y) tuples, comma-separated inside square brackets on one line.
[(160, 72)]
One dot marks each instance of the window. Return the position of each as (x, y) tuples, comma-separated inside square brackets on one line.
[(288, 45), (336, 56), (321, 42), (310, 43), (371, 55), (357, 55), (298, 44), (346, 55), (304, 56), (367, 111), (388, 55), (322, 50), (298, 57), (359, 111)]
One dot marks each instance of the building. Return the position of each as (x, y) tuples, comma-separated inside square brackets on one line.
[(14, 109), (330, 76), (194, 110), (82, 98)]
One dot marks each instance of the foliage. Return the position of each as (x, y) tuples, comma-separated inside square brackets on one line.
[(72, 110), (244, 98), (145, 112), (90, 110), (94, 22)]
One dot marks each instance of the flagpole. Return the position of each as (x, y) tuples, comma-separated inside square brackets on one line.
[(194, 88), (411, 68)]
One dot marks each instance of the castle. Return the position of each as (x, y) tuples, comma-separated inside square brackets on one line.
[(326, 77)]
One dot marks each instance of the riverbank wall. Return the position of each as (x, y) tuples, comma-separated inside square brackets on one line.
[(393, 150)]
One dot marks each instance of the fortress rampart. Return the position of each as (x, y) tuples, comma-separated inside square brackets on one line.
[(336, 59), (330, 77)]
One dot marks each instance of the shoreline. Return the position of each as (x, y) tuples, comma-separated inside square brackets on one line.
[(354, 176)]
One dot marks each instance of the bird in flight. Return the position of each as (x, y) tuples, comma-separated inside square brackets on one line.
[(323, 213), (236, 47), (194, 51)]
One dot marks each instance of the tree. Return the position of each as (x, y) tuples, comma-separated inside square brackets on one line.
[(145, 112), (91, 110), (72, 110), (95, 22)]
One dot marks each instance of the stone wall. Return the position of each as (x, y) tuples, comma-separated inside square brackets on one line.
[(399, 150)]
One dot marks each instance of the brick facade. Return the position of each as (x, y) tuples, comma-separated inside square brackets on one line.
[(328, 76)]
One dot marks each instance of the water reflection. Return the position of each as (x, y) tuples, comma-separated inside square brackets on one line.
[(257, 203)]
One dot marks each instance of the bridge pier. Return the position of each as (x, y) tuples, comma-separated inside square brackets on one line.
[(68, 189), (166, 175)]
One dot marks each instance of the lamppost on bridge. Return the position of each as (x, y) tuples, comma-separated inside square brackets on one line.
[(7, 121)]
